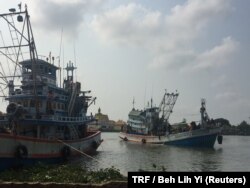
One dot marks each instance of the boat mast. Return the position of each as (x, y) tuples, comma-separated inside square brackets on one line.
[(33, 57), (204, 115)]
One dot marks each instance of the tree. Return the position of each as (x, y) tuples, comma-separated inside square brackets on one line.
[(222, 121), (244, 128)]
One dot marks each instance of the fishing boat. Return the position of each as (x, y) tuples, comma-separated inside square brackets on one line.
[(151, 126), (45, 121)]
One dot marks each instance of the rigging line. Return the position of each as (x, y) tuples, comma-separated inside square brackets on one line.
[(20, 42), (60, 58), (6, 50), (12, 38), (12, 13), (15, 46), (15, 28), (152, 94), (81, 152), (3, 78), (3, 73), (9, 58), (32, 36), (19, 50), (61, 43), (63, 63), (75, 59), (2, 91), (11, 54), (145, 97)]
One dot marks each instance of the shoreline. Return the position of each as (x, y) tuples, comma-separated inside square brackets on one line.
[(110, 184)]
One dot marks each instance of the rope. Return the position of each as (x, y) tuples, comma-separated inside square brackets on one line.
[(80, 151)]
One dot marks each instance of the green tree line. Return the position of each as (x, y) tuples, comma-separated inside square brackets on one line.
[(242, 129)]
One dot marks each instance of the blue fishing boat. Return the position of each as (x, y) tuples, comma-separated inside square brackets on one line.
[(151, 126), (45, 121)]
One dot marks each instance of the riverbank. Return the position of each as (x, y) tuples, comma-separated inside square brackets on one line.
[(115, 184), (66, 175)]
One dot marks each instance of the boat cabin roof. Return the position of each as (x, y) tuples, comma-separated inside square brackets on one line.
[(42, 67), (135, 113), (40, 62)]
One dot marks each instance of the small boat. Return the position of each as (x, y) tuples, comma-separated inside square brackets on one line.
[(151, 126), (44, 120)]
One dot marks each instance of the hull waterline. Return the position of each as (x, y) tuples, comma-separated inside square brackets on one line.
[(44, 151), (197, 138)]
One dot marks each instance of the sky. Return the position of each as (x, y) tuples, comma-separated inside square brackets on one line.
[(127, 50)]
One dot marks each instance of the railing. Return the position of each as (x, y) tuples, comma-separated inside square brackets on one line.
[(71, 119), (196, 132), (61, 118)]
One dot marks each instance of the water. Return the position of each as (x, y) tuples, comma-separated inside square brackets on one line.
[(232, 155)]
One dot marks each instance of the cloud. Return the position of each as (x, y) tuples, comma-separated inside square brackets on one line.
[(220, 81), (129, 23), (233, 101), (173, 60), (227, 95), (169, 37), (52, 15), (195, 14), (217, 56)]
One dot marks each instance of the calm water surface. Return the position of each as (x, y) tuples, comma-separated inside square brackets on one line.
[(232, 155)]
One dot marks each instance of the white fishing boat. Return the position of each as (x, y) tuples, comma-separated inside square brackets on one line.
[(44, 121), (151, 126)]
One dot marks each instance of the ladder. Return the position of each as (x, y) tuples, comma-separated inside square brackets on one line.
[(72, 99), (73, 132), (14, 37)]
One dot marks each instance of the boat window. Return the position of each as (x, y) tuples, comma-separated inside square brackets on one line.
[(24, 70), (49, 72), (32, 103), (41, 68), (40, 104), (60, 128), (25, 103), (28, 68), (53, 72)]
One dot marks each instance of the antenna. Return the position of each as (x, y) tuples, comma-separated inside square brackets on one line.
[(145, 96), (75, 60), (63, 64), (152, 91), (60, 69), (133, 103), (20, 6), (19, 17)]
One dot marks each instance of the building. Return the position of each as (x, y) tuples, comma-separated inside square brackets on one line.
[(103, 123)]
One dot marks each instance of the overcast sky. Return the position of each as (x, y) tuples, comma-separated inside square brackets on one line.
[(128, 49)]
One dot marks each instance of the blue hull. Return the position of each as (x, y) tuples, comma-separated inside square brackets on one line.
[(199, 141), (6, 163)]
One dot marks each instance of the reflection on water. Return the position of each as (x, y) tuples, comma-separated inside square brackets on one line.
[(232, 155)]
